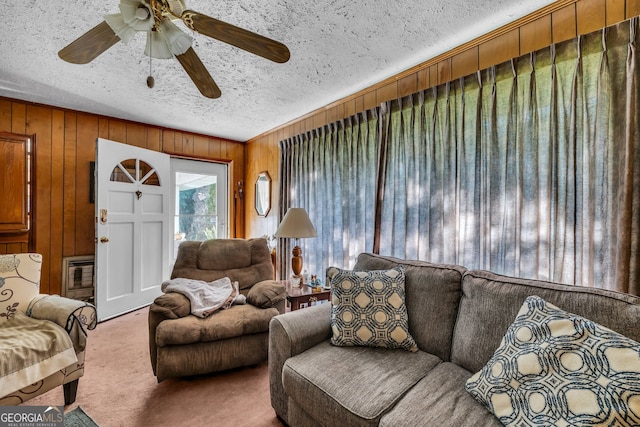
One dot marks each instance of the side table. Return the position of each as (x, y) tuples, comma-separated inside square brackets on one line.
[(297, 295)]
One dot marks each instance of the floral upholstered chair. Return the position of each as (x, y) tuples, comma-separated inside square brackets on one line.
[(42, 337)]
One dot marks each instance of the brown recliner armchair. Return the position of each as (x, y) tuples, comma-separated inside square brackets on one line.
[(181, 344)]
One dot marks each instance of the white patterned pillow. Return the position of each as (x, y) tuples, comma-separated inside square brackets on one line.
[(367, 309), (557, 368), (19, 282)]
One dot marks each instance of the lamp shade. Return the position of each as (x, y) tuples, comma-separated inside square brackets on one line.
[(296, 224)]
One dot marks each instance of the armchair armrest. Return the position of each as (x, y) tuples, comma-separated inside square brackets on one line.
[(291, 334), (72, 315), (171, 305), (266, 294)]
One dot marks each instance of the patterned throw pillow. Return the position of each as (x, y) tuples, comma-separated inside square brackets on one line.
[(19, 282), (367, 309), (556, 368)]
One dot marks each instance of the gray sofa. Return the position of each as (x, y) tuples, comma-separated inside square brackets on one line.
[(458, 319)]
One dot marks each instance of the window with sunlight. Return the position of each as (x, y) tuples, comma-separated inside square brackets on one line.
[(196, 213)]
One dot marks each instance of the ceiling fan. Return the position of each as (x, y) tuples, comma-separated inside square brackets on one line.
[(165, 40)]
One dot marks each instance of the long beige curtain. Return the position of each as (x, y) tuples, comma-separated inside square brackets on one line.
[(530, 168), (332, 173)]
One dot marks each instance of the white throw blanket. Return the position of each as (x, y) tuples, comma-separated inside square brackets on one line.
[(206, 297)]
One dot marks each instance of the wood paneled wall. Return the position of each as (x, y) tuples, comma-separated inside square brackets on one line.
[(263, 154), (560, 21), (65, 145)]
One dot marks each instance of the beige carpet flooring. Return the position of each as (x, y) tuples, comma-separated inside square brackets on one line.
[(118, 387)]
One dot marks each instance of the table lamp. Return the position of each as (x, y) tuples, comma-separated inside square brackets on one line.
[(296, 224)]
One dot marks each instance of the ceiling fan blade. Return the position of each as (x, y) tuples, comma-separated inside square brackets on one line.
[(199, 74), (90, 45), (236, 36)]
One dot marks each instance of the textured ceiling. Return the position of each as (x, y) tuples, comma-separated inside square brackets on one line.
[(338, 47)]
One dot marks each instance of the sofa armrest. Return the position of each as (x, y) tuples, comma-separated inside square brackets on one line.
[(73, 315), (266, 294), (291, 334)]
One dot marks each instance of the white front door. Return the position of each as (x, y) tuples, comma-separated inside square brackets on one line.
[(133, 226)]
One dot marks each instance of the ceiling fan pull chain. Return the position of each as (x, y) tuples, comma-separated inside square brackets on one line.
[(150, 79)]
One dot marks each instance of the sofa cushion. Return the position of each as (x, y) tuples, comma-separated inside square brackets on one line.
[(234, 322), (439, 399), (356, 385), (556, 368), (490, 302), (367, 308), (432, 294), (19, 282)]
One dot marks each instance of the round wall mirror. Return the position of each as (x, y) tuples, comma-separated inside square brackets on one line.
[(263, 194)]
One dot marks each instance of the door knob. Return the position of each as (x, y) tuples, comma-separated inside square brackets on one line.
[(104, 239)]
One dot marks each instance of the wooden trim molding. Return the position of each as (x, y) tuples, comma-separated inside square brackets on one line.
[(559, 21)]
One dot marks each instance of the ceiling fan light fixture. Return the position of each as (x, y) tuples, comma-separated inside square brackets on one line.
[(176, 39), (137, 14), (157, 46), (165, 40), (142, 13), (121, 28), (125, 24), (177, 6)]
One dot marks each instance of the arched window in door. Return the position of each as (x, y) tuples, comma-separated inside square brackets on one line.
[(135, 171)]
